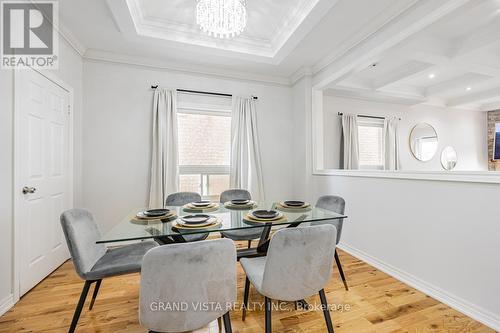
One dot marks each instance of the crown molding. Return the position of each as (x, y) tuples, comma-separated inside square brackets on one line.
[(287, 41), (63, 31), (299, 74), (153, 28), (105, 56), (69, 37), (300, 22), (292, 27), (493, 106)]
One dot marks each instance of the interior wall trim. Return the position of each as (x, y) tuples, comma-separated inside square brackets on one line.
[(104, 56), (488, 177), (6, 303), (71, 39), (475, 312)]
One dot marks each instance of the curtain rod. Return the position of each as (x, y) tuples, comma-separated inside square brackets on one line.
[(363, 116), (202, 92)]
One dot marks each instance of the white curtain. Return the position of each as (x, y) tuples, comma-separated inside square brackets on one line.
[(391, 144), (350, 147), (164, 168), (246, 166)]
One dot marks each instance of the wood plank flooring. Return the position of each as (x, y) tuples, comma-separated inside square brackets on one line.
[(375, 303)]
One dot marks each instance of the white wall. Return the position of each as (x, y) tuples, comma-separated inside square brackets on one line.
[(464, 130), (442, 234), (6, 173), (70, 71), (439, 236), (117, 132), (302, 158)]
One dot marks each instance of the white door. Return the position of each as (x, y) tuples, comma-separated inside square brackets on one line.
[(42, 134)]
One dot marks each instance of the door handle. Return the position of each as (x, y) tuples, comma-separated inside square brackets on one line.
[(27, 190)]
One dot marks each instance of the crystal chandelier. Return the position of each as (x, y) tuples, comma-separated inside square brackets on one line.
[(221, 18)]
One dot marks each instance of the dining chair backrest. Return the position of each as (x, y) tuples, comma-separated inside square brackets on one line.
[(181, 198), (81, 233), (299, 262), (229, 195), (185, 286), (335, 204)]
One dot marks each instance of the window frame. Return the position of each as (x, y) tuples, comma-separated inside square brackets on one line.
[(204, 170)]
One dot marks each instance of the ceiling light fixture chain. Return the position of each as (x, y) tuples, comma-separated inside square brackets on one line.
[(221, 18)]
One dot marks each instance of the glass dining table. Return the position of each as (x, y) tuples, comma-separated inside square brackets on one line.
[(165, 231)]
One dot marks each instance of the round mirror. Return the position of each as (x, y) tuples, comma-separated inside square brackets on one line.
[(449, 158), (423, 142)]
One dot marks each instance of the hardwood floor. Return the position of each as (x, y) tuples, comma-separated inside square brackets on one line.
[(375, 303)]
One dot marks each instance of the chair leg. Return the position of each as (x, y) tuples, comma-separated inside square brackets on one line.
[(249, 243), (326, 311), (267, 303), (341, 271), (219, 324), (94, 295), (245, 299), (79, 306), (227, 323)]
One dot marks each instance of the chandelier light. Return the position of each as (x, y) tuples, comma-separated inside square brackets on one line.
[(221, 18)]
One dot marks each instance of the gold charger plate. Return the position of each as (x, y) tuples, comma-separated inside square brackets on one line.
[(281, 206), (217, 222), (249, 218), (165, 218), (193, 209), (249, 205)]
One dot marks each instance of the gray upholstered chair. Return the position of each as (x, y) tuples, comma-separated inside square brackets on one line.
[(335, 204), (94, 262), (181, 199), (244, 234), (185, 286), (298, 264)]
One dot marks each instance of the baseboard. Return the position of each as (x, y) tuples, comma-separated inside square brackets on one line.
[(487, 318), (6, 304)]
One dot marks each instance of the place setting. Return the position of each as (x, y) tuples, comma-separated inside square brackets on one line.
[(162, 214), (240, 204), (196, 222), (293, 206), (264, 215), (202, 206)]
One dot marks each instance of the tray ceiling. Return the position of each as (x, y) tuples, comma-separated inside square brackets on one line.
[(284, 39), (270, 25)]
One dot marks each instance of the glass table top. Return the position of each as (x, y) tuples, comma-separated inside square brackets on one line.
[(131, 228)]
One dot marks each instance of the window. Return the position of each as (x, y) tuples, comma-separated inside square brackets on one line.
[(371, 141), (204, 133)]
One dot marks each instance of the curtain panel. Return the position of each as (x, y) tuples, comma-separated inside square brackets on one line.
[(350, 142), (391, 144), (164, 159), (246, 165)]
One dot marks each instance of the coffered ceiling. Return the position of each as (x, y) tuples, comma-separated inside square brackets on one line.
[(453, 62), (284, 39), (282, 36)]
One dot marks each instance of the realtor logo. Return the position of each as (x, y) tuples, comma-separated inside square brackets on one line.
[(29, 38)]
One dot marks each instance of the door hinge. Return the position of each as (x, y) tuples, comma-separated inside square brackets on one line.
[(69, 109)]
